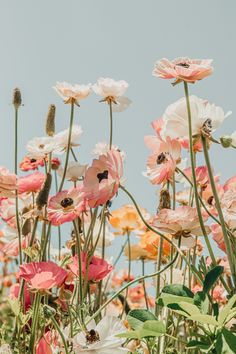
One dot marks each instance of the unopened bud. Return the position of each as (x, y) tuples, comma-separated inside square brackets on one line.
[(48, 311), (164, 201), (50, 121), (226, 141), (42, 197), (17, 98)]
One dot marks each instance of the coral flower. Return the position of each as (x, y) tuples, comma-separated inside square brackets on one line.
[(47, 343), (14, 293), (31, 183), (150, 242), (29, 164), (42, 275), (218, 236), (11, 249), (125, 219), (72, 93), (65, 206), (230, 184), (162, 163), (97, 269), (183, 222), (183, 69), (102, 179), (8, 183), (202, 176), (206, 118)]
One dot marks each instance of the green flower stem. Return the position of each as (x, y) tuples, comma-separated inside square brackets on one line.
[(34, 322), (158, 278), (219, 210), (162, 235), (68, 147), (111, 123), (56, 325), (78, 246), (138, 279), (144, 284), (129, 271)]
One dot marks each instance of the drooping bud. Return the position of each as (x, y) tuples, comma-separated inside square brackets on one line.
[(50, 121), (226, 141), (42, 197), (17, 98), (164, 201), (48, 311)]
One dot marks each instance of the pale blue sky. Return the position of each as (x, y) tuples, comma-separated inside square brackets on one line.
[(78, 41)]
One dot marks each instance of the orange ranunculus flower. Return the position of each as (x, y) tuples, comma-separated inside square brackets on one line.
[(150, 241), (126, 219)]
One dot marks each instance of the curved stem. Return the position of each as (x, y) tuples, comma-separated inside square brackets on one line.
[(68, 147), (144, 284), (56, 325), (159, 254), (219, 210)]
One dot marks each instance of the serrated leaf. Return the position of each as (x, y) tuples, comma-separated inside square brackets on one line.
[(211, 277), (226, 310), (178, 290), (204, 319)]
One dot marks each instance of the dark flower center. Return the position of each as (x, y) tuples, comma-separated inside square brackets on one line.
[(207, 127), (161, 158), (66, 202), (33, 160), (210, 200), (41, 146), (102, 175), (92, 336), (184, 65)]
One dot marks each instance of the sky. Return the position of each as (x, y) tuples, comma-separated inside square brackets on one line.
[(79, 41)]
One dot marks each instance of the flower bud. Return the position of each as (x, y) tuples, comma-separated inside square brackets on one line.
[(17, 98), (164, 201), (48, 311), (42, 197), (50, 121), (226, 141)]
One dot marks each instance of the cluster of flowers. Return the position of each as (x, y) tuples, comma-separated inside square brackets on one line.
[(73, 300)]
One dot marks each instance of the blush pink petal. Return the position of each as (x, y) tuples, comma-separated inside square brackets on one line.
[(31, 183)]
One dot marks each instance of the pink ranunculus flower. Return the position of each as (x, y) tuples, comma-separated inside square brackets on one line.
[(14, 293), (98, 268), (230, 184), (47, 342), (218, 237), (183, 69), (181, 222), (65, 206), (102, 179), (31, 183), (8, 183), (11, 249), (202, 176), (42, 276), (29, 164), (162, 162)]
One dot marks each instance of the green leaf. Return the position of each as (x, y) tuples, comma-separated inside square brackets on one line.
[(155, 326), (202, 301), (211, 277), (189, 308), (166, 299), (226, 310), (178, 289), (204, 319), (15, 306), (198, 344), (226, 342), (149, 329)]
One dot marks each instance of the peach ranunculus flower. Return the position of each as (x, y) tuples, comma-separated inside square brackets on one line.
[(181, 222), (11, 248), (41, 276), (98, 268), (72, 93), (150, 241), (230, 184), (125, 219), (8, 183), (183, 69), (218, 237), (66, 206), (29, 164), (161, 164), (31, 183), (102, 179), (136, 252), (206, 118)]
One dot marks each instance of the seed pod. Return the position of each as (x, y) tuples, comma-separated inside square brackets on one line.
[(50, 121), (42, 197), (17, 98), (164, 202)]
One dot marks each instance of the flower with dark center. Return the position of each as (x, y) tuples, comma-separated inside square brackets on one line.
[(161, 158), (210, 200), (102, 175), (184, 65), (33, 160), (207, 127), (66, 202), (41, 146), (92, 336)]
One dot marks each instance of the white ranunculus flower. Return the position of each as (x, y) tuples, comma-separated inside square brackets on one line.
[(102, 148), (107, 87), (72, 93), (61, 138), (101, 338), (74, 171), (5, 349), (109, 236), (205, 116), (40, 147), (121, 104)]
